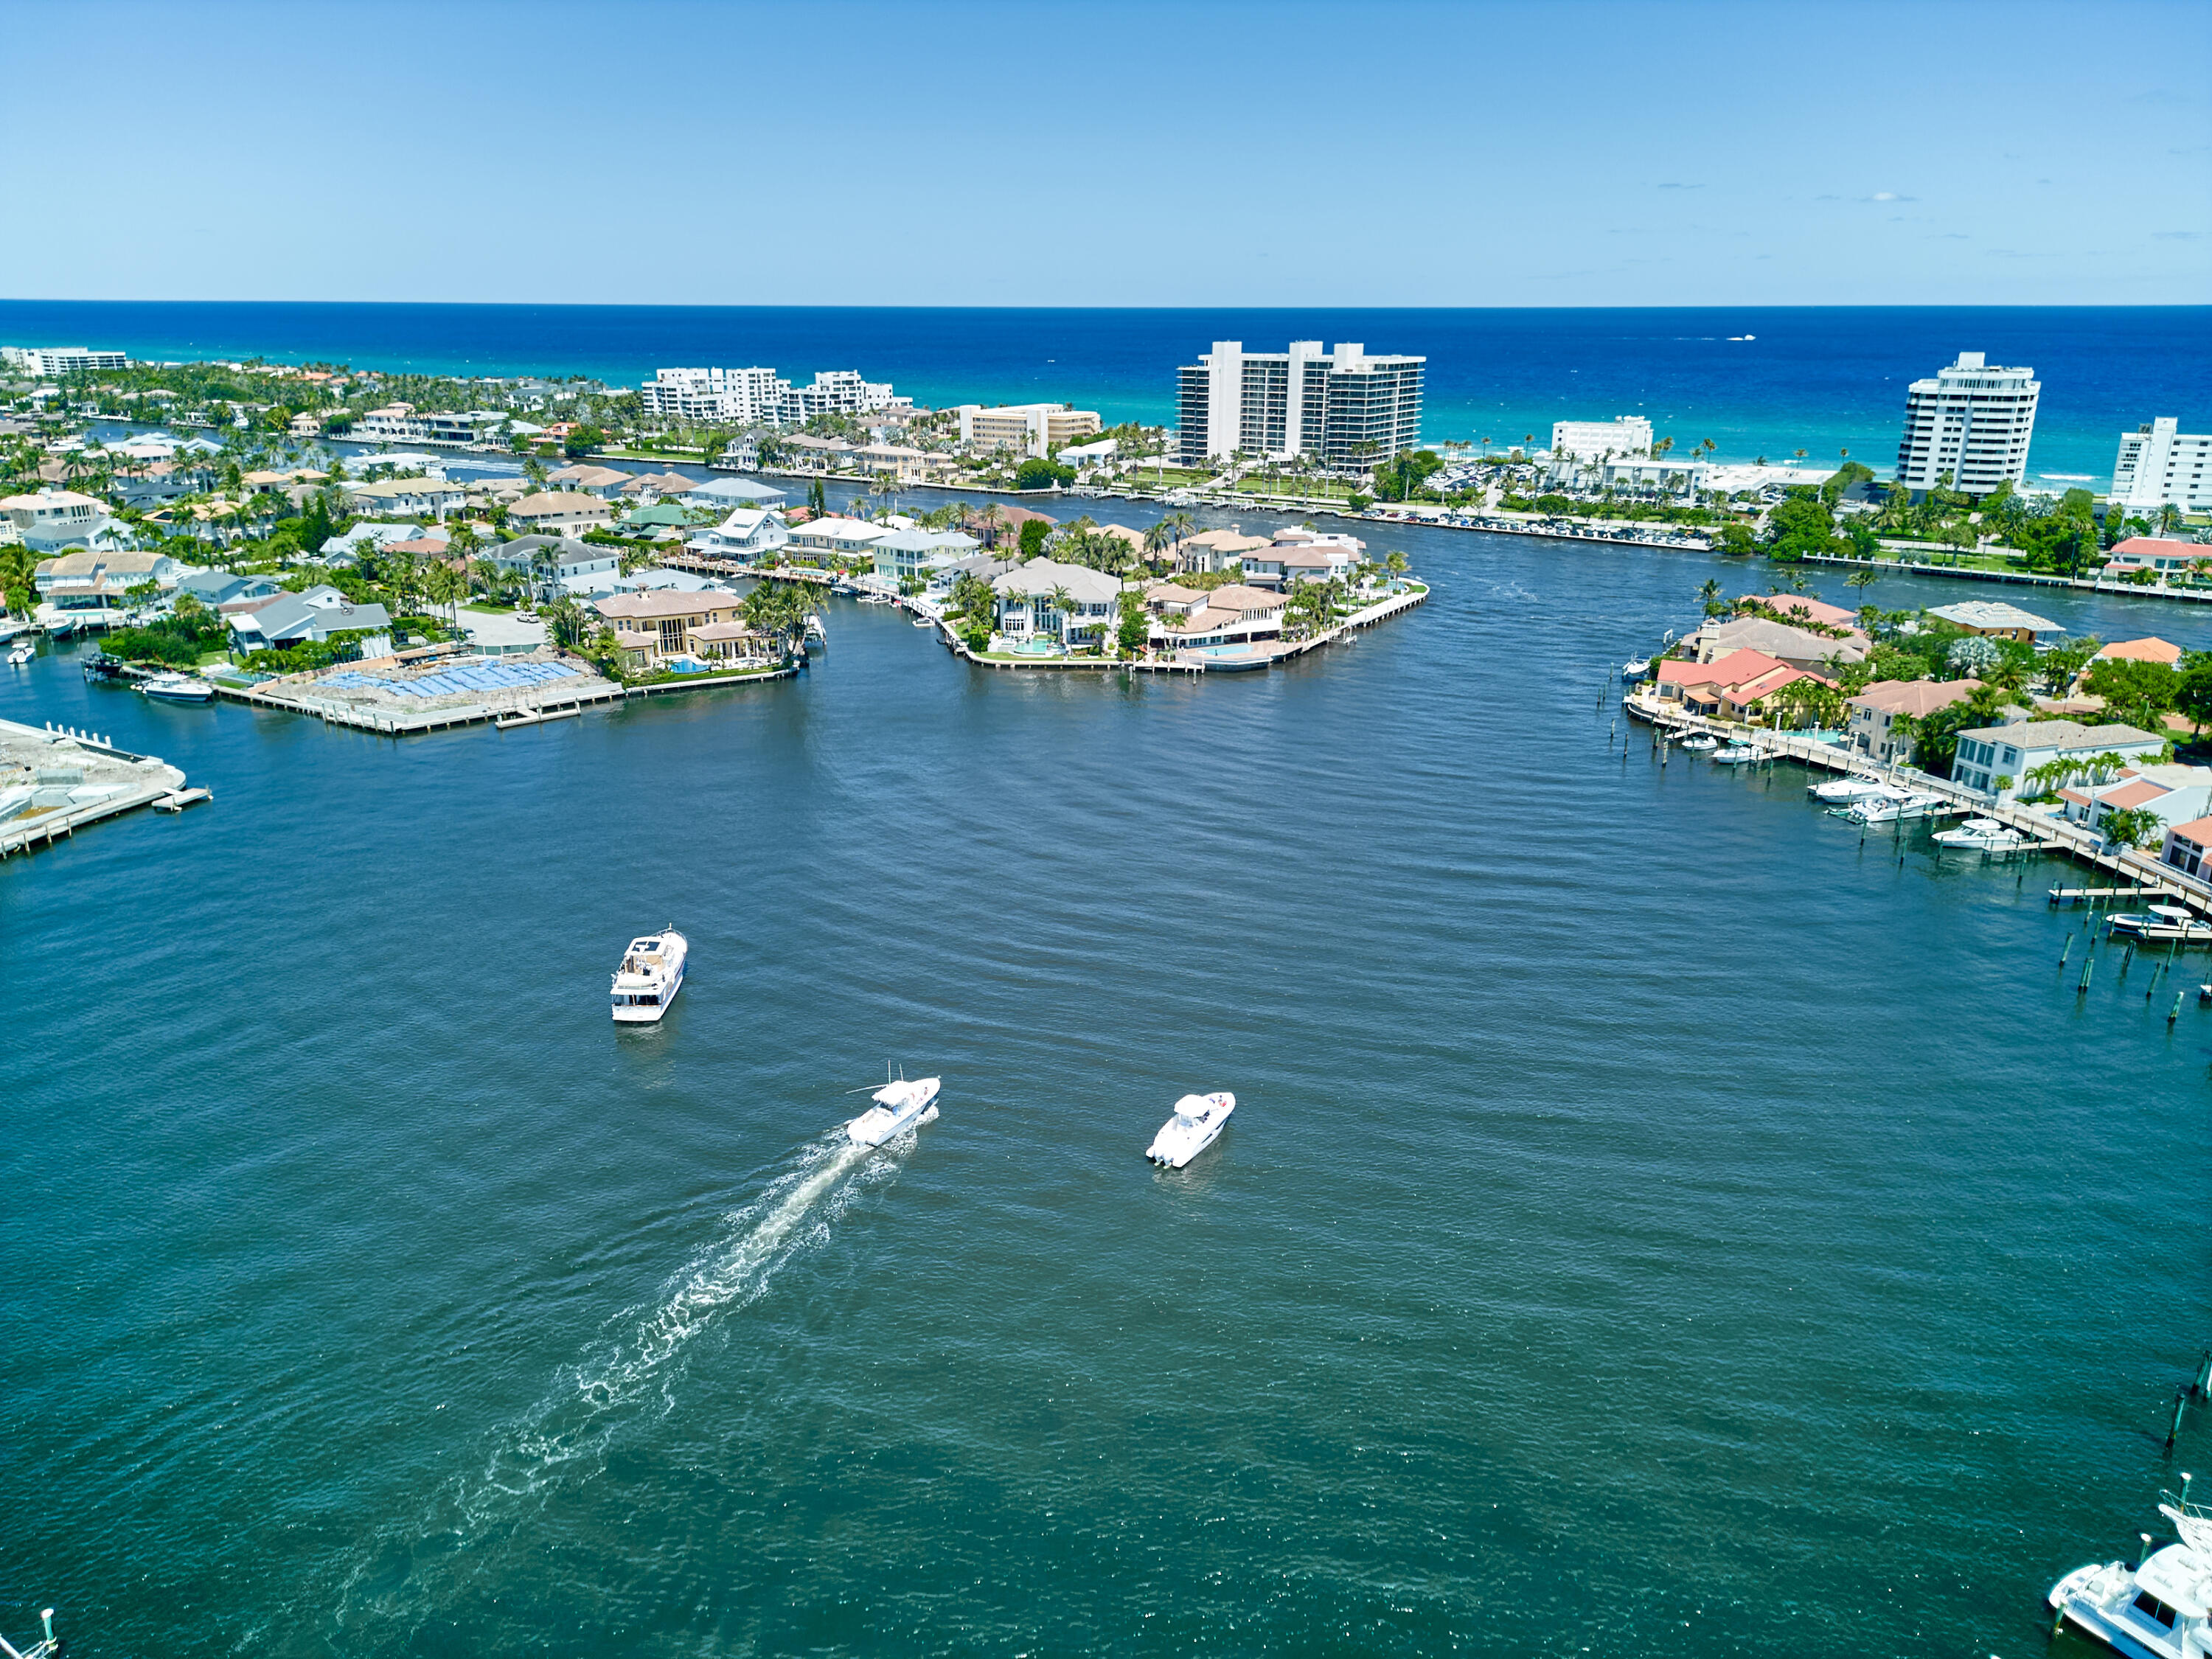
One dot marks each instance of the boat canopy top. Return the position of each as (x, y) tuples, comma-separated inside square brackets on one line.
[(2174, 913), (1193, 1106)]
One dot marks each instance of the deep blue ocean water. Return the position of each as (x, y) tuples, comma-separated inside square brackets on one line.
[(1657, 1217), (1821, 380)]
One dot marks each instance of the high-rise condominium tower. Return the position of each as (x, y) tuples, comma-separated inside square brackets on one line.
[(1341, 408), (1968, 429)]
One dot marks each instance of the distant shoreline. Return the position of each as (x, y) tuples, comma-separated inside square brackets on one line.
[(1819, 378)]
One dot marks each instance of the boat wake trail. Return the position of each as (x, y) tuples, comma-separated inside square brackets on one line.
[(412, 1569)]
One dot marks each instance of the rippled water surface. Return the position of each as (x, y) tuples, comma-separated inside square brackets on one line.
[(1654, 1220)]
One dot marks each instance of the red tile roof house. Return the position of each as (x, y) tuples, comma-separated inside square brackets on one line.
[(1701, 687), (2189, 848), (1755, 698), (1876, 710), (1787, 604), (2150, 649), (2168, 558)]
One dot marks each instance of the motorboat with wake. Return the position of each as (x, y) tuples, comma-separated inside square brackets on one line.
[(1981, 835), (1842, 792), (2161, 921), (899, 1106), (651, 974), (178, 687), (1198, 1122), (2156, 1608)]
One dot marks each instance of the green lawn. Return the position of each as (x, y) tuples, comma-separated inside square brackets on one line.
[(489, 609)]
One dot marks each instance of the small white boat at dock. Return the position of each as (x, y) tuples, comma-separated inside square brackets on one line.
[(1981, 835), (1842, 792), (1892, 802), (1631, 672), (2161, 921), (899, 1106), (1701, 742), (1736, 754), (1198, 1122), (651, 974), (21, 656), (178, 687), (2156, 1608)]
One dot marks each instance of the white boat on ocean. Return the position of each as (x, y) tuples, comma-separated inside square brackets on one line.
[(1981, 835), (1198, 1122), (2156, 1608), (178, 687), (899, 1106), (651, 974)]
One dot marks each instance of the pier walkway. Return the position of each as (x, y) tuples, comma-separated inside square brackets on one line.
[(2141, 873)]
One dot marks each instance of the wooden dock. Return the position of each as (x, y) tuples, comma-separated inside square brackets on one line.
[(2149, 878)]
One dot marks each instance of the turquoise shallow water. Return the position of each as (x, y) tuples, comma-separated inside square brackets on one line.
[(1652, 1217)]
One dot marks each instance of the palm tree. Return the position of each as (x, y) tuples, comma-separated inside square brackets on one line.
[(1157, 538), (1863, 580), (1709, 592), (1063, 604)]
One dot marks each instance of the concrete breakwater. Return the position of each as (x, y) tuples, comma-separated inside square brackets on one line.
[(53, 781)]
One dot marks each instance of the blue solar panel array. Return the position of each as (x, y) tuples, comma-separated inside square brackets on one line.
[(480, 677)]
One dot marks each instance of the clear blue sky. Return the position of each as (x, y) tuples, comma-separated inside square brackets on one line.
[(1563, 153)]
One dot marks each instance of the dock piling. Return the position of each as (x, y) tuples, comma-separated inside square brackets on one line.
[(2180, 1405), (2173, 1014), (2204, 1383), (2087, 964)]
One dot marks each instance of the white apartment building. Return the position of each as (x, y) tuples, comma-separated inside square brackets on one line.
[(59, 360), (2161, 466), (1968, 429), (1030, 428), (715, 397), (756, 396), (1342, 408), (1623, 435), (834, 391)]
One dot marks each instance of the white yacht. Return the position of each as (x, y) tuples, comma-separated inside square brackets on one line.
[(2162, 921), (1704, 740), (651, 974), (900, 1106), (2155, 1609), (1892, 802), (1981, 835), (178, 687), (1842, 792), (1198, 1122)]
